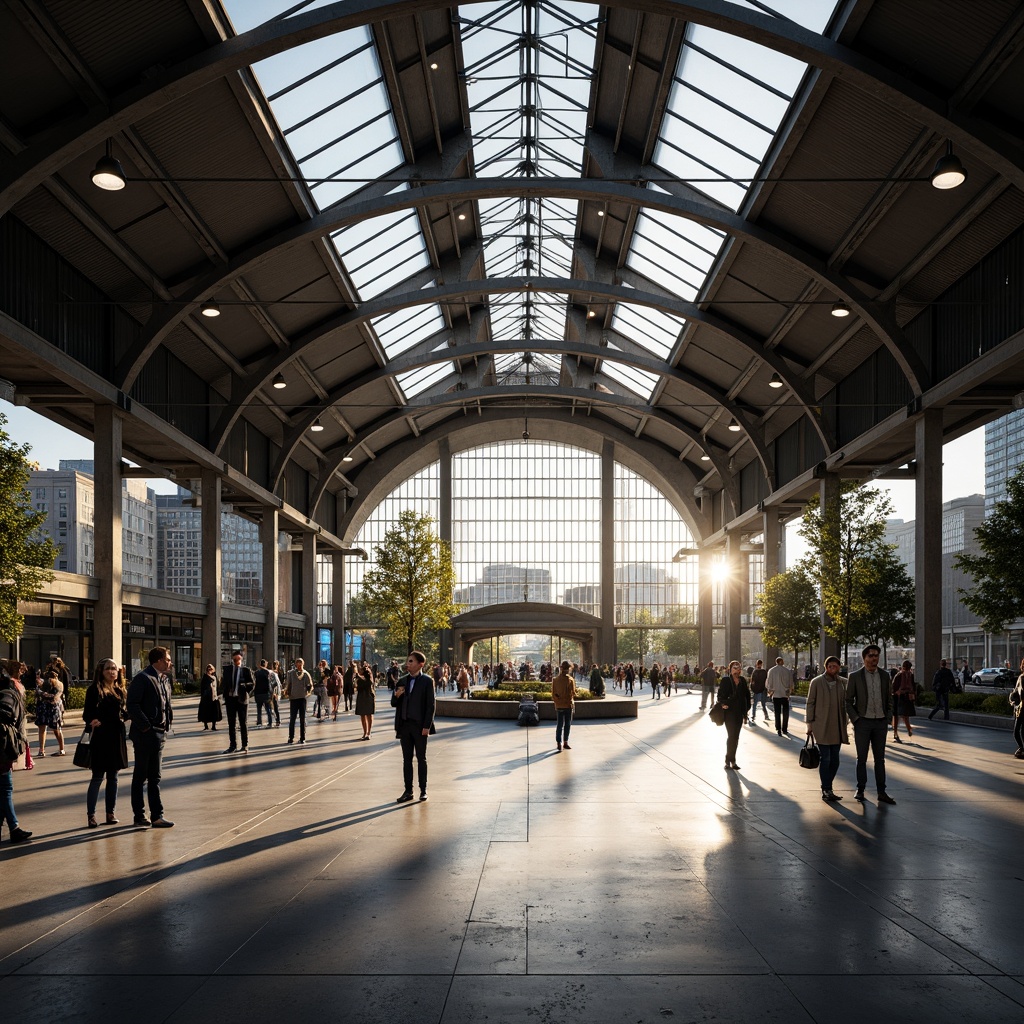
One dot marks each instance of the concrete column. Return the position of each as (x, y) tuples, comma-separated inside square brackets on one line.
[(445, 639), (338, 608), (608, 645), (772, 560), (828, 494), (210, 563), (705, 613), (309, 596), (271, 581), (734, 585), (107, 626), (928, 544)]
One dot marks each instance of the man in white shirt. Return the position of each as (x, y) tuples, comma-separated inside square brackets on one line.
[(867, 703)]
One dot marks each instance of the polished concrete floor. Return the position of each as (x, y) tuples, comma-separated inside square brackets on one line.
[(630, 879)]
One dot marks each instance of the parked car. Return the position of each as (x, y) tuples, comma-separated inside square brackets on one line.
[(1004, 677)]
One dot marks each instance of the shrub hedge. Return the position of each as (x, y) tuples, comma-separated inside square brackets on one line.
[(537, 690)]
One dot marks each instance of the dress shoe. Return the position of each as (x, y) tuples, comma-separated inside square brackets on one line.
[(230, 750), (735, 767), (245, 750), (141, 820), (423, 794), (404, 798), (20, 835), (896, 739), (91, 821), (111, 820), (1019, 754), (291, 741), (884, 798), (859, 795), (834, 796), (163, 823), (565, 746), (558, 746)]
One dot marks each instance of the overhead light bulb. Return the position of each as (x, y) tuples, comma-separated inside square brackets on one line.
[(775, 382), (108, 174), (705, 457), (462, 216), (734, 426), (317, 426), (210, 308), (346, 458), (600, 213), (948, 172), (840, 309), (433, 66), (279, 382)]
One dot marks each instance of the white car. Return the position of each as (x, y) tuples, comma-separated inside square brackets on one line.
[(993, 677)]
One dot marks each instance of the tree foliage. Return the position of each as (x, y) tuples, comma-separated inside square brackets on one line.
[(636, 641), (845, 540), (682, 638), (410, 590), (788, 609), (26, 558), (996, 597), (889, 599)]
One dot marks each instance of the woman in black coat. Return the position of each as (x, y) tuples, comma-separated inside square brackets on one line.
[(210, 711), (104, 714), (734, 696)]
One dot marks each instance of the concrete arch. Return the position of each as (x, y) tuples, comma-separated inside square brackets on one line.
[(380, 477), (460, 352), (878, 317), (63, 144), (243, 390), (561, 620)]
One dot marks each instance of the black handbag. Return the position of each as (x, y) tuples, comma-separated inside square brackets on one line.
[(717, 714), (83, 751), (810, 755)]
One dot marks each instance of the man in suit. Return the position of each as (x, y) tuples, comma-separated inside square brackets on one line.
[(149, 708), (236, 684), (867, 704), (413, 701)]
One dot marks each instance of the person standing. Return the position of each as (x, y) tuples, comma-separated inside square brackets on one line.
[(210, 711), (759, 691), (655, 681), (563, 695), (14, 737), (50, 711), (708, 681), (236, 684), (942, 683), (826, 720), (366, 701), (149, 708), (867, 704), (414, 701), (275, 693), (904, 691), (105, 703), (779, 685), (261, 694), (1017, 703), (596, 680), (298, 685), (734, 696), (320, 674), (348, 685)]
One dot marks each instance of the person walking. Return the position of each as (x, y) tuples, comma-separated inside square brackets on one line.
[(298, 685), (334, 684), (210, 711), (366, 700), (320, 674), (780, 688), (106, 702), (826, 720), (942, 684), (1017, 703), (275, 694), (563, 695), (867, 704), (734, 696), (904, 691), (13, 743), (261, 694), (655, 681), (149, 708), (50, 711), (414, 703), (348, 685), (759, 691), (236, 684), (708, 682)]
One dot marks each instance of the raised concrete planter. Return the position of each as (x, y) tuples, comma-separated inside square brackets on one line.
[(615, 707)]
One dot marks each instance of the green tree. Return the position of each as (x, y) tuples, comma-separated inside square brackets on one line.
[(844, 539), (889, 596), (409, 592), (635, 641), (788, 609), (996, 597), (26, 557), (682, 638)]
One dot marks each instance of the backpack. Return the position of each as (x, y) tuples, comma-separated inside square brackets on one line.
[(12, 743), (9, 706)]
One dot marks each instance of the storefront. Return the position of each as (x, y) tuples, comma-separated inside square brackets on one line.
[(246, 637), (57, 629)]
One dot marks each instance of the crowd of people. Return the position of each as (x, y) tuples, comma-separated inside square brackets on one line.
[(871, 700)]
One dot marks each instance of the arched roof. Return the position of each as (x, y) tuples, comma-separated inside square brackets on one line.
[(410, 213)]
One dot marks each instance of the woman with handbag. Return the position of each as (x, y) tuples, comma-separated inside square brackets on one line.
[(904, 692), (734, 696), (827, 723), (105, 702), (210, 711), (366, 703)]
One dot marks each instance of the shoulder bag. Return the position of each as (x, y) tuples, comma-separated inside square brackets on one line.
[(717, 714), (83, 750), (810, 755)]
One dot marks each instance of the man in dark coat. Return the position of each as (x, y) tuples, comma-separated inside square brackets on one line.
[(236, 684), (942, 683), (149, 708), (413, 701)]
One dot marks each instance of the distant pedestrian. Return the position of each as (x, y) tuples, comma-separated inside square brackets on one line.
[(563, 695), (779, 686), (366, 702), (759, 691), (210, 711), (942, 683), (734, 696), (904, 693), (50, 711), (708, 681), (298, 685)]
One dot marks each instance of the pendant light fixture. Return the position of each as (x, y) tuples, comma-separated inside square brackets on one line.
[(948, 172), (108, 174)]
